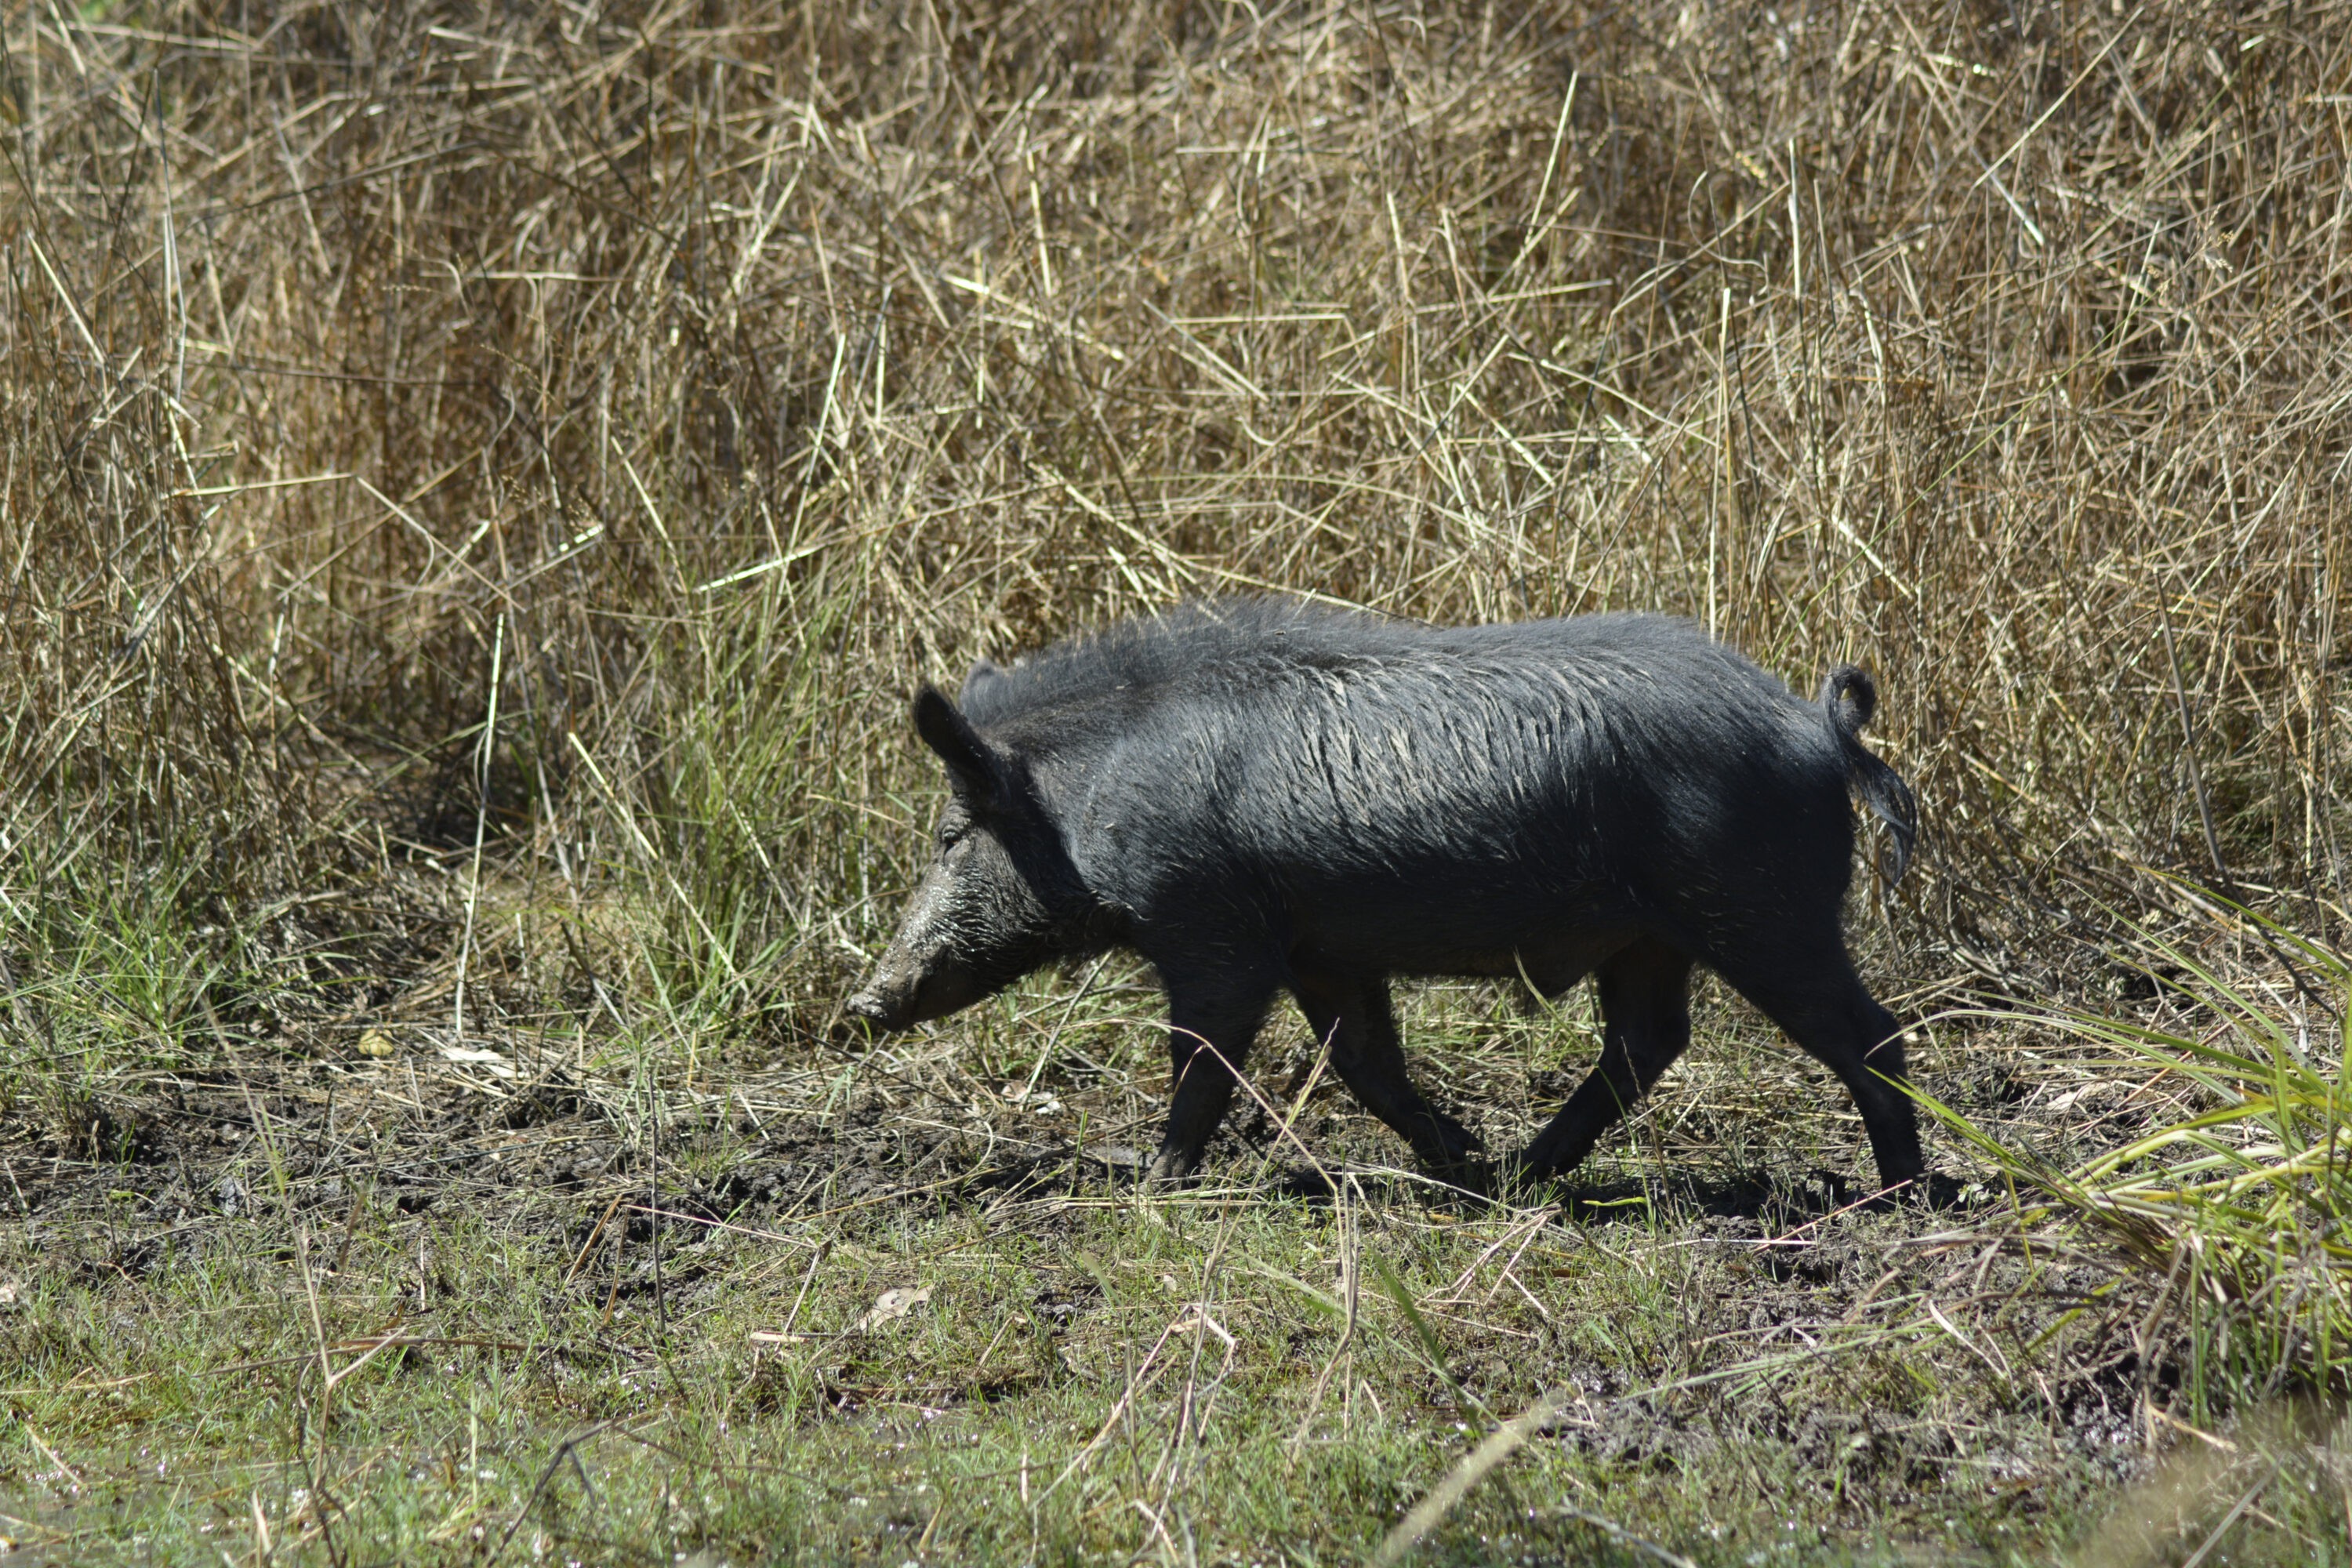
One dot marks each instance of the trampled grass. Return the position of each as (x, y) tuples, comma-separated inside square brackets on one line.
[(477, 487), (1740, 1366)]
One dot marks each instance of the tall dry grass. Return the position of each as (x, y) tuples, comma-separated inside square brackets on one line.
[(557, 438)]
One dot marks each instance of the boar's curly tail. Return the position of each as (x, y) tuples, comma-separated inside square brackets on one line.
[(1848, 699)]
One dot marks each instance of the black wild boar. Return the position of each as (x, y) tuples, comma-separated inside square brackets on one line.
[(1259, 795)]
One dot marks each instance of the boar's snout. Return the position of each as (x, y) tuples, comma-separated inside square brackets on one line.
[(904, 991), (899, 998), (883, 1005)]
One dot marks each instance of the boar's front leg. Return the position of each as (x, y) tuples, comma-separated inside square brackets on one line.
[(1351, 1013), (1645, 1015), (1213, 1020)]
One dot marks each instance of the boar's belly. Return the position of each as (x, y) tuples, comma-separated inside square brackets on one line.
[(1552, 940)]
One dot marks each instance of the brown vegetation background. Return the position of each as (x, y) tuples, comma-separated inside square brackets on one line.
[(557, 438)]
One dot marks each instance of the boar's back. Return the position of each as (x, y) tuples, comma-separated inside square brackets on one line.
[(1426, 798)]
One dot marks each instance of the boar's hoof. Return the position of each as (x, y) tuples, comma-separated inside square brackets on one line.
[(1171, 1167), (1452, 1144)]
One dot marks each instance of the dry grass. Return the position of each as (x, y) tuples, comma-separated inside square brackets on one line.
[(706, 380), (477, 484)]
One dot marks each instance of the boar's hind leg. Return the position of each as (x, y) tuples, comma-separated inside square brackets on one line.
[(1351, 1012), (1207, 1019), (1818, 1000), (1646, 1008)]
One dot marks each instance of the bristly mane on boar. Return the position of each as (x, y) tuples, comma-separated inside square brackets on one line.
[(1260, 795)]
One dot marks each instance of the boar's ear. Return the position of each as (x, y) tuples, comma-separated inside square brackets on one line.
[(975, 770), (986, 673)]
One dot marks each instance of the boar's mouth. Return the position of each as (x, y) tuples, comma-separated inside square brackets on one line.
[(891, 1003), (887, 1014)]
